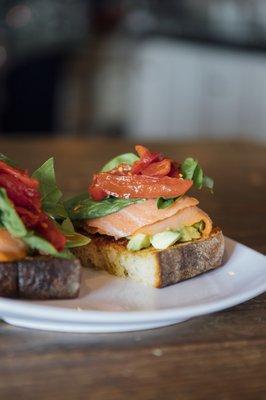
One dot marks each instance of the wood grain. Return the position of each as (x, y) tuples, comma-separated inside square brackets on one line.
[(220, 356)]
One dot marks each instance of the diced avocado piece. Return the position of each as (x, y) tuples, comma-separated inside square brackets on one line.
[(189, 233), (162, 240), (138, 242), (199, 226)]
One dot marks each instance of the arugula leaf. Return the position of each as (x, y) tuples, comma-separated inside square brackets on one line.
[(191, 169), (73, 202), (83, 207), (198, 177), (67, 226), (58, 212), (7, 160), (74, 239), (164, 203), (38, 243), (9, 217), (208, 182), (50, 193), (52, 203), (127, 158), (188, 167)]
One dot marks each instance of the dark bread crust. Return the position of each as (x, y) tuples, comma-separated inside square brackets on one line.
[(8, 279), (40, 277), (177, 263), (186, 260)]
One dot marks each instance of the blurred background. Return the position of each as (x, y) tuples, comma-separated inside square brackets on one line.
[(148, 69)]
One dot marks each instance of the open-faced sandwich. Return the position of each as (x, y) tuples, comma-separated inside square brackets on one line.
[(34, 258), (142, 223)]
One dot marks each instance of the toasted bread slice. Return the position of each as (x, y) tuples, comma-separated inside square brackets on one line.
[(157, 268), (40, 277)]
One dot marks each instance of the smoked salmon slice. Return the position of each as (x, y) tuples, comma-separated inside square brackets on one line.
[(11, 248), (145, 215), (186, 217)]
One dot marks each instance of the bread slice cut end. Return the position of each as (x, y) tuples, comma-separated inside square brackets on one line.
[(150, 266)]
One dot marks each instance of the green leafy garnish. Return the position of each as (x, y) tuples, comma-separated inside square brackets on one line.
[(164, 203), (208, 182), (50, 193), (198, 177), (10, 220), (9, 217), (188, 167), (52, 203), (191, 169), (7, 160), (83, 207), (74, 239), (127, 158), (38, 243)]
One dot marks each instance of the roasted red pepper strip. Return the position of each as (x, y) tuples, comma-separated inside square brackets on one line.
[(138, 186), (22, 190), (146, 158), (20, 194), (29, 218), (47, 228), (42, 224), (96, 192), (175, 170), (142, 151), (20, 175), (159, 168)]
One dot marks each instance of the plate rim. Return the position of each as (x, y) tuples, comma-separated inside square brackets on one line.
[(63, 314)]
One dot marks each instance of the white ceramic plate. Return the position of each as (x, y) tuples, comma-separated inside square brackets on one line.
[(110, 304)]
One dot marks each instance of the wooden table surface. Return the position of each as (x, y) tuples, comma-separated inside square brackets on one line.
[(218, 356)]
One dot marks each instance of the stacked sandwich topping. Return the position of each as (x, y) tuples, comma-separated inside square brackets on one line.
[(142, 198), (28, 206)]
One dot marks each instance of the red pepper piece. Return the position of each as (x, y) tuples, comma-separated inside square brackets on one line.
[(22, 190), (146, 158), (21, 175), (139, 186), (159, 168), (20, 194)]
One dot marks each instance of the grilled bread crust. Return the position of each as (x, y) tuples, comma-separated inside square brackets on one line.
[(40, 277), (156, 268)]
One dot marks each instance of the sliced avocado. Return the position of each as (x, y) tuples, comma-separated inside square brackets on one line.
[(189, 233), (199, 225), (138, 242), (162, 240)]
